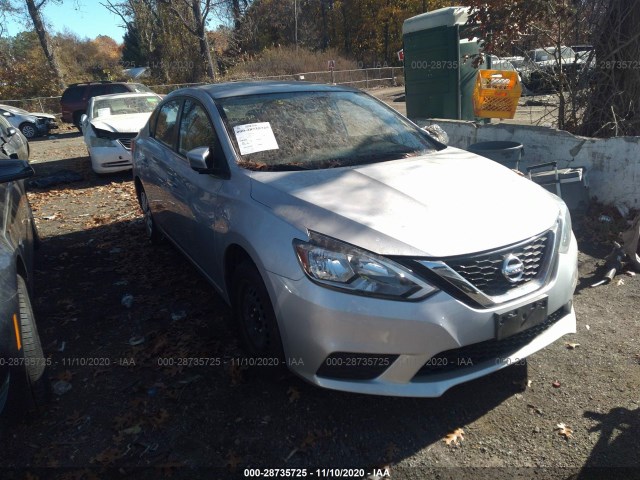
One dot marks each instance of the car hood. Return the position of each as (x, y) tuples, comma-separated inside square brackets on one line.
[(128, 123), (43, 115), (443, 204)]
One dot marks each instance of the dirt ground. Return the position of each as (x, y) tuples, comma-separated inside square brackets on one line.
[(101, 288)]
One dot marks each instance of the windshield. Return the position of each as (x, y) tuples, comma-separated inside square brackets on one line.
[(123, 105), (315, 130), (140, 88)]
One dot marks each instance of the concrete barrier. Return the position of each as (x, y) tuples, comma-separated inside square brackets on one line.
[(612, 164)]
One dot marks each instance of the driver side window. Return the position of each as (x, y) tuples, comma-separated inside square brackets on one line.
[(195, 128)]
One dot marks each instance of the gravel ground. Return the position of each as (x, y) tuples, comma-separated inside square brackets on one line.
[(124, 411)]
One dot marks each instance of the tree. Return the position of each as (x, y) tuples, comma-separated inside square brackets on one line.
[(25, 71), (597, 98), (369, 30), (34, 8), (195, 22), (132, 52), (614, 109)]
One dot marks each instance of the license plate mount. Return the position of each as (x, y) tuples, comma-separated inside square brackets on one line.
[(520, 319)]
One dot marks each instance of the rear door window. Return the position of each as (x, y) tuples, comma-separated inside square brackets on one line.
[(165, 129), (73, 94)]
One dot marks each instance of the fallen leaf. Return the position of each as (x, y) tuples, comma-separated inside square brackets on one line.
[(620, 282), (294, 394), (160, 417), (564, 430), (454, 437), (233, 460), (132, 430), (309, 441), (237, 374), (587, 327), (571, 346), (125, 420), (556, 384), (107, 456), (312, 438), (65, 376), (535, 409)]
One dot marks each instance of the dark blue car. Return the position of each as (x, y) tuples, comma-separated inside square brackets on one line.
[(23, 380)]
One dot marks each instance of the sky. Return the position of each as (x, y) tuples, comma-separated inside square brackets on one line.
[(85, 18)]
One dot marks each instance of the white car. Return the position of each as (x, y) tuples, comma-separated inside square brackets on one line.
[(109, 126), (30, 125)]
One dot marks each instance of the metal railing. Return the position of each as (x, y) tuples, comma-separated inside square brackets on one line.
[(364, 78), (37, 104)]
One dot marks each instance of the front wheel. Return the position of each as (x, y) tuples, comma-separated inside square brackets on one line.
[(30, 388), (256, 320), (29, 130)]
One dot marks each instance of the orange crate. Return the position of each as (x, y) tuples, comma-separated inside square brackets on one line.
[(496, 93)]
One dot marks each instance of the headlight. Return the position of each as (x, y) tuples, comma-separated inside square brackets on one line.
[(101, 142), (565, 228), (336, 264)]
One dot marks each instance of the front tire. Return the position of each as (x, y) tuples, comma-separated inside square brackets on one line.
[(254, 315), (29, 130), (30, 388)]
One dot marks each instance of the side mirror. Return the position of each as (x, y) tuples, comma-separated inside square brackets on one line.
[(200, 159), (11, 170), (83, 118), (11, 132), (438, 133), (7, 114)]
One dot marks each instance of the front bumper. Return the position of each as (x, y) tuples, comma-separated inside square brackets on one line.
[(110, 159), (316, 322)]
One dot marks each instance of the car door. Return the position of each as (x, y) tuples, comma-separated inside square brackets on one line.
[(201, 211), (156, 161)]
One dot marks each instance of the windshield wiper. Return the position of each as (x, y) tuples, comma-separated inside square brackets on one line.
[(284, 167)]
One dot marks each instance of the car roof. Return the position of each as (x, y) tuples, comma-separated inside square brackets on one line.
[(127, 95), (238, 89)]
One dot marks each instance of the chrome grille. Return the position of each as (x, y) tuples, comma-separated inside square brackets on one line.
[(484, 271), (125, 142)]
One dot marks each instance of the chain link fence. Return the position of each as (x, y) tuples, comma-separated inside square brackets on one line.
[(360, 78)]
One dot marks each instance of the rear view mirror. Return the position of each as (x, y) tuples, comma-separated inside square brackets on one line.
[(198, 158), (438, 133), (11, 170)]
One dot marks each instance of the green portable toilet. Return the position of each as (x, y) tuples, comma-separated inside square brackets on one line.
[(438, 72)]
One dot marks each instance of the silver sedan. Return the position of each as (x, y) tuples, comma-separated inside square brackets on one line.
[(352, 246)]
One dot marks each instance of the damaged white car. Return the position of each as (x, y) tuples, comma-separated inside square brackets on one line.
[(109, 126)]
